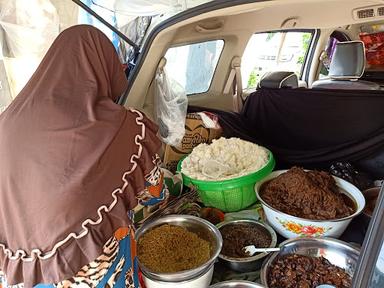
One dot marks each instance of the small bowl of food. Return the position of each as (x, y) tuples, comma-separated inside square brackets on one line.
[(308, 203), (310, 262), (177, 251), (236, 284), (238, 234)]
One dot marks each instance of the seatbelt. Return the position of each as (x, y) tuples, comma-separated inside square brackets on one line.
[(234, 80), (161, 65)]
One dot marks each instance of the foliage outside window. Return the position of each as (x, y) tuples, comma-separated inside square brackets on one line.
[(274, 51)]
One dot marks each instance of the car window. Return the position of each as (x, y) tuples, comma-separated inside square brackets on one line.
[(377, 279), (193, 66), (274, 51)]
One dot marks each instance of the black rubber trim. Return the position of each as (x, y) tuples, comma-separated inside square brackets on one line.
[(195, 11)]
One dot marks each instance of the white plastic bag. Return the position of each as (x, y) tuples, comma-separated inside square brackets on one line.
[(171, 105), (28, 28)]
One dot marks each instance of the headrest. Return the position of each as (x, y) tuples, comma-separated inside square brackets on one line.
[(279, 79), (348, 60)]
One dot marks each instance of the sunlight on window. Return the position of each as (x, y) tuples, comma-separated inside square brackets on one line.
[(274, 51), (193, 66)]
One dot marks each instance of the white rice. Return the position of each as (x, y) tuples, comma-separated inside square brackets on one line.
[(224, 159)]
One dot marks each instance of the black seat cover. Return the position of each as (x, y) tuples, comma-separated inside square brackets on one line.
[(313, 128)]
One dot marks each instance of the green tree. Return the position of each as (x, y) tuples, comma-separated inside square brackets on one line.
[(270, 35), (305, 41), (254, 77)]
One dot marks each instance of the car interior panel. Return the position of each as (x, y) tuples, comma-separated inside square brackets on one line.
[(347, 70)]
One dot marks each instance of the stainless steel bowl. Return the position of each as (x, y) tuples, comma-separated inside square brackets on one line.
[(202, 228), (249, 263), (236, 284), (337, 252)]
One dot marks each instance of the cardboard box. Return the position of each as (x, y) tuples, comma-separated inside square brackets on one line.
[(196, 131)]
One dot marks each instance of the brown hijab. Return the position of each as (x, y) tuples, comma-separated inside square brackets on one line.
[(72, 161)]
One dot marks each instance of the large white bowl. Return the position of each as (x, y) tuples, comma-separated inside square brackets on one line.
[(291, 226)]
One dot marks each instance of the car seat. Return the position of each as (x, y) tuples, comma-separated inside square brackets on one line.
[(346, 69), (279, 79)]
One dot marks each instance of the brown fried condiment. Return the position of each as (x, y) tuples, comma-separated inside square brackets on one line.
[(237, 236), (310, 195), (169, 249), (301, 271)]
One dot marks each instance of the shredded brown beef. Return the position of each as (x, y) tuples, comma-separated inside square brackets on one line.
[(300, 271), (310, 195)]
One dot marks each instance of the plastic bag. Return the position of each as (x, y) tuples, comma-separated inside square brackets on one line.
[(171, 105), (28, 27), (253, 213), (142, 7)]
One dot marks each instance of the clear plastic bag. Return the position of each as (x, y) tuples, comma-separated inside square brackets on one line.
[(171, 105)]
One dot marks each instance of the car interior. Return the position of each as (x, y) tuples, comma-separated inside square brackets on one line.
[(237, 25), (303, 78), (332, 56)]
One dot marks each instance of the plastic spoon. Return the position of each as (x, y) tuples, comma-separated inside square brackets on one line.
[(252, 250)]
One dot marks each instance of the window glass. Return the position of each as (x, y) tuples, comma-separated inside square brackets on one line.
[(377, 279), (193, 66), (274, 51)]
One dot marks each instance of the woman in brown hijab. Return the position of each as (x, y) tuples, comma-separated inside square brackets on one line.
[(72, 165)]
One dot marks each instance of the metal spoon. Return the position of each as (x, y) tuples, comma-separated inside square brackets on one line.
[(252, 250), (325, 286)]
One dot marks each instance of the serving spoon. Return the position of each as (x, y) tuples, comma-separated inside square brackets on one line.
[(252, 250)]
